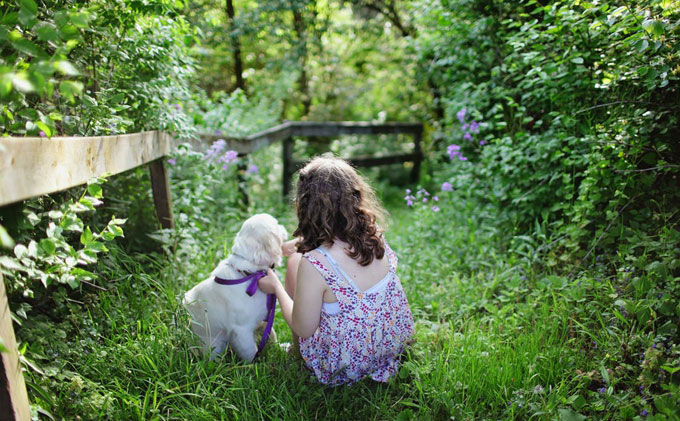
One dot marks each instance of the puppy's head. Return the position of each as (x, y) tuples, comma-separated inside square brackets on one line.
[(260, 240)]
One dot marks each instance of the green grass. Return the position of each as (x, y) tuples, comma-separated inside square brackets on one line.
[(494, 340)]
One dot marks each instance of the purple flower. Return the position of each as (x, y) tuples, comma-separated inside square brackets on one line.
[(409, 202), (467, 136), (644, 413), (462, 158), (215, 149), (178, 107), (435, 198), (408, 191), (453, 150), (42, 134), (252, 169), (218, 132), (474, 127), (435, 208), (228, 158), (660, 295), (602, 389), (461, 115), (642, 389), (653, 346), (465, 126), (446, 186), (482, 142), (424, 199), (172, 161)]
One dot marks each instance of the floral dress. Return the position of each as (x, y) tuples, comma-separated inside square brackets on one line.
[(368, 333)]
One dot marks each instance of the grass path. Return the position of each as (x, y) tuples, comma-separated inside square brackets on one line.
[(487, 347)]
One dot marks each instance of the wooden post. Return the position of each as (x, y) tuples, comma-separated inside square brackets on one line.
[(418, 152), (288, 168), (13, 396), (241, 169), (161, 193)]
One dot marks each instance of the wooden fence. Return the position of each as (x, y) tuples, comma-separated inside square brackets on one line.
[(34, 166)]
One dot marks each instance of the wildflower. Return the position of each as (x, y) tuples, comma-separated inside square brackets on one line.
[(424, 199), (660, 295), (462, 158), (461, 115), (465, 127), (172, 161), (178, 107), (467, 136), (435, 208), (602, 389), (644, 413), (538, 389), (252, 169), (408, 191), (446, 186), (409, 202), (228, 158), (482, 142), (642, 389), (474, 127), (42, 134), (218, 132), (436, 199), (453, 150), (215, 149), (653, 346)]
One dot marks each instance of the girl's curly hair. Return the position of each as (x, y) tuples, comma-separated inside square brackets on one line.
[(334, 202)]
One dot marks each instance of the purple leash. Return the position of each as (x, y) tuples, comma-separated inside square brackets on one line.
[(254, 278)]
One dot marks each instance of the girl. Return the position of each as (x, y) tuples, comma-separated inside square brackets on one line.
[(342, 297)]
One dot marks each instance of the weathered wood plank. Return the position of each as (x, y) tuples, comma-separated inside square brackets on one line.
[(160, 187), (336, 128), (369, 161), (252, 143), (33, 166), (13, 396)]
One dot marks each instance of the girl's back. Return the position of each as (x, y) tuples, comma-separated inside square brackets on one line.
[(365, 319)]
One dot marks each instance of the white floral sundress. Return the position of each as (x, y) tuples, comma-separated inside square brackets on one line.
[(368, 334)]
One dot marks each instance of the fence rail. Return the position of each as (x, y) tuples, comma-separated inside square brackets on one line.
[(34, 166)]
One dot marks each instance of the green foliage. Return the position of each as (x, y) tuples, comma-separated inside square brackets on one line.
[(99, 67), (54, 259)]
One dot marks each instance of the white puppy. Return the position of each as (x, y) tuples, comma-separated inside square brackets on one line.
[(225, 314)]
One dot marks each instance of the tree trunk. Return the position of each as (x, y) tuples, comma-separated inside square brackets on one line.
[(236, 47)]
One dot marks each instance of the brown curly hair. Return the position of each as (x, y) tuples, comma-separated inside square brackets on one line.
[(334, 202)]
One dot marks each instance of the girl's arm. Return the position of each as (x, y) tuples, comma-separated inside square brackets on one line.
[(304, 312)]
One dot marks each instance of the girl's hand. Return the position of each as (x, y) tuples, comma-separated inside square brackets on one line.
[(269, 283), (289, 247)]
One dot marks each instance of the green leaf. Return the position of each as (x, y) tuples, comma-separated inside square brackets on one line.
[(577, 60), (30, 6), (28, 47), (21, 82), (46, 31), (65, 67), (70, 89), (45, 128), (48, 246), (95, 190), (6, 84), (80, 19), (569, 415), (5, 240), (86, 237)]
